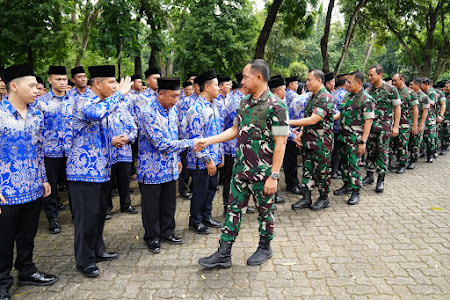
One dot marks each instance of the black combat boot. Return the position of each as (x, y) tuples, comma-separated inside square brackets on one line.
[(321, 203), (412, 164), (263, 253), (368, 179), (380, 183), (354, 198), (429, 157), (344, 190), (221, 258), (305, 202), (401, 169)]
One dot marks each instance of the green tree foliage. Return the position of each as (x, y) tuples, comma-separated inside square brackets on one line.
[(215, 34)]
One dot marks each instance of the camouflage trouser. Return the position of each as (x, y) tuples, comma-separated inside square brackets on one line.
[(402, 145), (445, 133), (429, 137), (237, 206), (378, 151), (350, 163), (416, 144), (316, 166)]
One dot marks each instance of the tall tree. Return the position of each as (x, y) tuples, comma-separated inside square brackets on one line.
[(324, 40)]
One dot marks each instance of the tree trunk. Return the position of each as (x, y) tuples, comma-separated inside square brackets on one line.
[(369, 50), (265, 32), (119, 60), (138, 65), (30, 57), (162, 65), (324, 40), (152, 59), (349, 34), (87, 26)]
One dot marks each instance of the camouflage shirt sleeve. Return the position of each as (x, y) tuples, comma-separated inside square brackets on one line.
[(322, 108), (414, 100), (279, 119), (368, 108), (395, 97)]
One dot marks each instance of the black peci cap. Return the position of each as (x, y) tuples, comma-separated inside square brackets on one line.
[(17, 71), (77, 70), (102, 71), (166, 83), (151, 72), (57, 70)]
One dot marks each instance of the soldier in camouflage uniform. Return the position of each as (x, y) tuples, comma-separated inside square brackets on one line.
[(424, 106), (317, 142), (446, 122), (261, 127), (442, 102), (408, 120), (356, 117), (385, 124), (429, 137)]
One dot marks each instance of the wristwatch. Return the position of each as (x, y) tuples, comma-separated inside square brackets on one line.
[(361, 142), (275, 176)]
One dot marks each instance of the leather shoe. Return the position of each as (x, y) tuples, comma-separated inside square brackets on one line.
[(212, 223), (295, 190), (4, 295), (130, 209), (321, 203), (199, 228), (344, 190), (368, 179), (411, 165), (60, 206), (186, 195), (108, 215), (54, 227), (279, 199), (107, 256), (154, 246), (172, 240), (401, 169), (37, 278), (89, 271), (250, 210)]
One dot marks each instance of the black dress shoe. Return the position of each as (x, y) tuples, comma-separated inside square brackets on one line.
[(250, 210), (54, 227), (89, 271), (186, 195), (212, 223), (172, 240), (107, 256), (4, 295), (108, 215), (279, 199), (154, 246), (37, 278), (199, 228), (295, 190), (130, 210), (60, 206)]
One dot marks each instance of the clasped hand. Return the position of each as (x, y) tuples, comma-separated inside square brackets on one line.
[(119, 141), (200, 144)]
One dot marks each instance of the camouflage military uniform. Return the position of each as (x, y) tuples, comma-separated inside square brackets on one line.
[(446, 123), (318, 143), (355, 109), (424, 103), (440, 126), (386, 97), (429, 136), (409, 100), (258, 121)]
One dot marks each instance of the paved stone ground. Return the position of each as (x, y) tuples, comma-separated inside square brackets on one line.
[(393, 245)]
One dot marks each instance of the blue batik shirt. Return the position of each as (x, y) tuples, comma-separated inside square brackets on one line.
[(149, 93), (338, 95), (73, 95), (121, 121), (182, 108), (138, 103), (290, 96), (159, 146), (297, 109), (229, 147), (203, 120), (22, 168), (89, 158), (57, 114)]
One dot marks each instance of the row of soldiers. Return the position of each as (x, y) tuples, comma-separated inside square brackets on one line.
[(86, 133)]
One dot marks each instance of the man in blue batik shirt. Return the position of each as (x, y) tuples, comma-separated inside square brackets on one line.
[(89, 166), (151, 78), (23, 180), (159, 164), (56, 108), (203, 120), (338, 95), (291, 89)]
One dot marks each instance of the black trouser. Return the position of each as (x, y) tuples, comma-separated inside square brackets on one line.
[(89, 210), (185, 174), (335, 164), (18, 223), (56, 169), (120, 177), (134, 153), (205, 188), (290, 165), (158, 209), (227, 172)]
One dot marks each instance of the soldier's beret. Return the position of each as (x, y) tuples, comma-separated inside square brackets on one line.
[(166, 83), (77, 70), (17, 71), (102, 71), (57, 70)]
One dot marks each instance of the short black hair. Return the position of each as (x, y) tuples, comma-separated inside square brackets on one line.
[(401, 76), (359, 76), (378, 68), (418, 80), (426, 80), (202, 87), (318, 74), (260, 66)]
